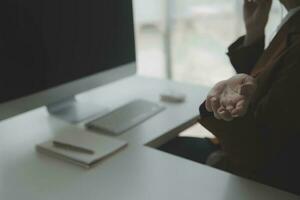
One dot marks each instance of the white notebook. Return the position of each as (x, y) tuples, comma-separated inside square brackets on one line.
[(102, 147)]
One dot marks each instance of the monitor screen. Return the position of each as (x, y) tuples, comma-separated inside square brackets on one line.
[(47, 43)]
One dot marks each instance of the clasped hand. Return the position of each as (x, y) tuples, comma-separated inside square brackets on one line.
[(230, 99)]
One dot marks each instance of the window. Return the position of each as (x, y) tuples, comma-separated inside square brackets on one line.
[(200, 32)]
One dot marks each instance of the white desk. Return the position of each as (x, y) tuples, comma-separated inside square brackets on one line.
[(136, 173)]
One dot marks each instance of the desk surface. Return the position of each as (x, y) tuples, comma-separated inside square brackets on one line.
[(136, 173)]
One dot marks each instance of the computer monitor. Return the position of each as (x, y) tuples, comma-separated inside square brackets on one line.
[(51, 50)]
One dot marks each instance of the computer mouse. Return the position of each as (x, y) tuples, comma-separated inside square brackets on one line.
[(172, 97)]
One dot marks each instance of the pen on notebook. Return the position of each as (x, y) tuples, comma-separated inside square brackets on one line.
[(72, 147)]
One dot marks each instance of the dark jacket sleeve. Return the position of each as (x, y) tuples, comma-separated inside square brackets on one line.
[(203, 112), (244, 58)]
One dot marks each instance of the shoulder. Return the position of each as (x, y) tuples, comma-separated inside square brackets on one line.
[(292, 56), (293, 39), (294, 23)]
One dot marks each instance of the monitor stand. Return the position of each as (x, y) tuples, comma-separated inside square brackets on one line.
[(74, 111)]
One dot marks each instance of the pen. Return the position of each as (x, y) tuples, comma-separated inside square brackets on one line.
[(72, 147)]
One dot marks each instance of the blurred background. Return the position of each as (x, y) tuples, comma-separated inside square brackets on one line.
[(187, 40)]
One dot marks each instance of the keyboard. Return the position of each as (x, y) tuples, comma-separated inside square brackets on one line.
[(126, 117)]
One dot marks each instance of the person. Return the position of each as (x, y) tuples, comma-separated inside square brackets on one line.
[(254, 114)]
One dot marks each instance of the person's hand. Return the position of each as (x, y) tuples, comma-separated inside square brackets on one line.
[(256, 16), (230, 99)]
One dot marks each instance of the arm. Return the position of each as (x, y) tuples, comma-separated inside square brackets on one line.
[(244, 58), (247, 50)]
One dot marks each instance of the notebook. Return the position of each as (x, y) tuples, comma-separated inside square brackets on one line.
[(101, 146)]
